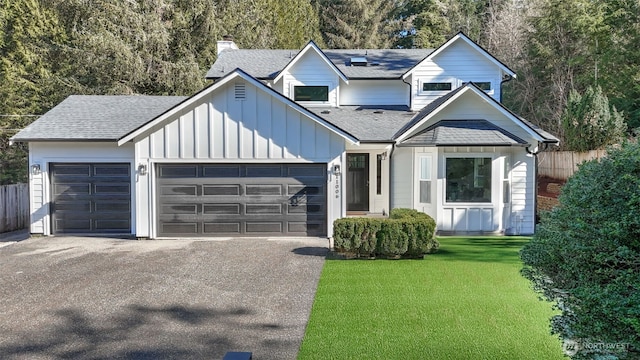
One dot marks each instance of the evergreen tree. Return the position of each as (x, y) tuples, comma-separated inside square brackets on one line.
[(269, 24), (356, 24), (590, 123), (29, 35)]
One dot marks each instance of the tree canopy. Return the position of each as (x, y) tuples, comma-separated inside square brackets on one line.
[(50, 49)]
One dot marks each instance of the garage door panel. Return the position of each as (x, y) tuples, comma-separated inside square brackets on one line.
[(170, 209), (111, 170), (191, 190), (179, 171), (221, 171), (305, 171), (263, 227), (221, 190), (246, 199), (82, 170), (221, 209), (274, 209), (90, 198), (217, 228), (274, 190), (179, 228), (112, 189)]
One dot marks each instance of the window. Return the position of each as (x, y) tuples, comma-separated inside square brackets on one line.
[(436, 86), (425, 179), (505, 181), (311, 93), (484, 85), (468, 180)]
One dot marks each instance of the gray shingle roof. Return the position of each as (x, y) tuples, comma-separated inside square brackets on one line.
[(265, 64), (367, 123), (96, 117), (463, 133)]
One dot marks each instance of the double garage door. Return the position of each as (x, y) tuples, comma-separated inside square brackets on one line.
[(241, 199), (194, 200)]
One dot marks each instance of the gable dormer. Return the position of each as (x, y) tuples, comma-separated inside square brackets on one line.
[(311, 78), (458, 61)]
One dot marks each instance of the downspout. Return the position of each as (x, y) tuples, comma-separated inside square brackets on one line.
[(535, 183), (505, 79), (410, 97)]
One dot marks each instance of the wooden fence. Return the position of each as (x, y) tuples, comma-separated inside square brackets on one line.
[(14, 207), (562, 164)]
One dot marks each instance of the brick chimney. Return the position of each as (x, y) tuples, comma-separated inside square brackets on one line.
[(226, 43)]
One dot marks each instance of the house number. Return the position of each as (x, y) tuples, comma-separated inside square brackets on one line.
[(337, 187)]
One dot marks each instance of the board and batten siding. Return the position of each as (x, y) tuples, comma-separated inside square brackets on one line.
[(458, 63), (311, 70), (221, 128), (44, 153), (523, 184), (374, 92), (403, 178)]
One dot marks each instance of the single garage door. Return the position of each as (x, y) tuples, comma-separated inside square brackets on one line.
[(242, 199), (91, 198)]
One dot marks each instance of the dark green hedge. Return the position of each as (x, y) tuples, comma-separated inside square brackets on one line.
[(406, 233)]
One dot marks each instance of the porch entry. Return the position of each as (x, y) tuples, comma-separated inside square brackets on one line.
[(357, 182)]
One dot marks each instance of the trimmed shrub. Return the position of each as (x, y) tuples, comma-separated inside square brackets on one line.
[(406, 233), (392, 240), (356, 235)]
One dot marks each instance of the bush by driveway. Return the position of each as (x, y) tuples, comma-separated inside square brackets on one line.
[(98, 298)]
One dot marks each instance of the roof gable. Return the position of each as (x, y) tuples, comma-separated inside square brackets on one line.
[(463, 133), (169, 115), (311, 47), (442, 103), (462, 37)]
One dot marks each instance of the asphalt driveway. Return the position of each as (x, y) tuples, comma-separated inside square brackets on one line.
[(100, 298)]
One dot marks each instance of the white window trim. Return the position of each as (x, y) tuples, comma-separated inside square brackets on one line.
[(331, 92), (422, 81), (492, 156)]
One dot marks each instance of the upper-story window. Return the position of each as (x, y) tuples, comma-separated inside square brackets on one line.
[(484, 85), (311, 93), (436, 86)]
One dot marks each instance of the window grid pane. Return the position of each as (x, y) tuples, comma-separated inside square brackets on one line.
[(436, 86), (311, 93), (468, 180)]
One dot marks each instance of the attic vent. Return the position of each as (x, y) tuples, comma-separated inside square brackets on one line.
[(358, 61), (240, 91), (325, 112)]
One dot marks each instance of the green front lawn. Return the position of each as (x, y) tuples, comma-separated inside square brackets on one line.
[(468, 301)]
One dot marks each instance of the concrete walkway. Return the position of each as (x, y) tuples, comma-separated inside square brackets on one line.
[(99, 298)]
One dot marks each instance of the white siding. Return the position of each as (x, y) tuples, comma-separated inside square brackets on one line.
[(311, 70), (522, 193), (374, 92), (43, 153), (222, 128), (402, 180), (458, 63), (469, 106)]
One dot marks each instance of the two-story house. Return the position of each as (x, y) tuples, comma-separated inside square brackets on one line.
[(283, 142)]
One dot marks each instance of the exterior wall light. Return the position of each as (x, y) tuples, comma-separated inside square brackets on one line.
[(142, 169), (383, 156), (35, 169), (336, 169)]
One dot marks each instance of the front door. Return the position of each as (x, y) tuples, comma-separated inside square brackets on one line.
[(357, 182)]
